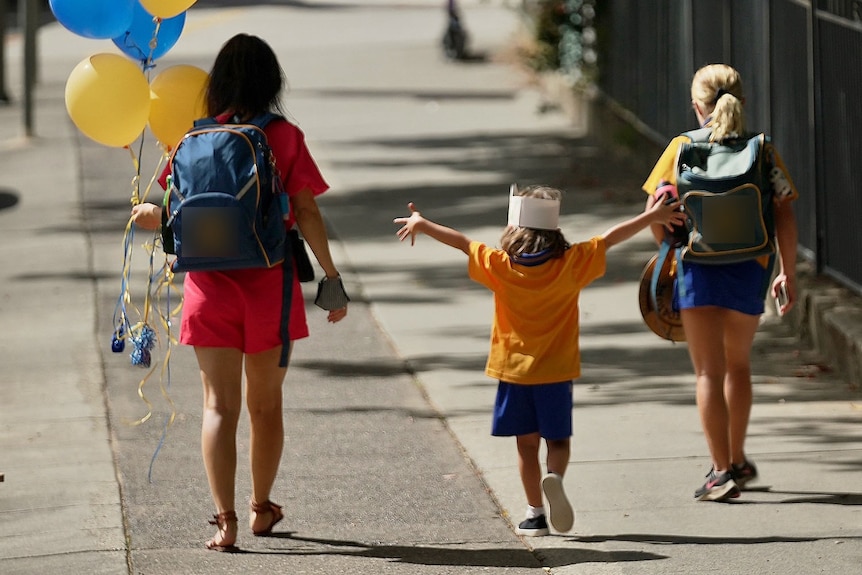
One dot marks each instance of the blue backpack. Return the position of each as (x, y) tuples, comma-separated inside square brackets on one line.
[(727, 196), (225, 205)]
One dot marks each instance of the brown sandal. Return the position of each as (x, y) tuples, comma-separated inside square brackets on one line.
[(267, 507), (222, 520)]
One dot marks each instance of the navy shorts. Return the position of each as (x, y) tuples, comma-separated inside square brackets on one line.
[(525, 409), (741, 286)]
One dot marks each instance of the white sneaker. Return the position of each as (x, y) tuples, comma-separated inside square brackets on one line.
[(560, 512)]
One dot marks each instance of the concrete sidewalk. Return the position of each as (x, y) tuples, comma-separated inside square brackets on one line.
[(389, 466)]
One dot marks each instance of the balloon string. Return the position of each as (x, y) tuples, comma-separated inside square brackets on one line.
[(154, 41), (146, 401), (156, 173), (165, 285), (136, 179), (142, 331), (164, 387), (122, 325)]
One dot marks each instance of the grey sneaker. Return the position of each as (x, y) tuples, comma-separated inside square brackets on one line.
[(535, 527), (560, 511), (718, 487), (744, 474)]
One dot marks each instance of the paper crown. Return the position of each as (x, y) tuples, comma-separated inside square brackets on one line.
[(534, 213)]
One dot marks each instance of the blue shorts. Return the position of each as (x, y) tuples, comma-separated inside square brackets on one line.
[(741, 287), (525, 409)]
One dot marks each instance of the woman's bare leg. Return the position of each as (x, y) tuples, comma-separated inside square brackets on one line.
[(221, 376), (264, 379), (704, 333), (739, 337)]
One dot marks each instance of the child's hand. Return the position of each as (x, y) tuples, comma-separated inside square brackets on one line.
[(410, 224), (147, 216), (667, 214)]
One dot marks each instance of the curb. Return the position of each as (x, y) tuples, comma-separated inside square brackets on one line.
[(828, 318)]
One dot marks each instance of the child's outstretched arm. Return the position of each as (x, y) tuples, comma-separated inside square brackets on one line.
[(415, 224), (658, 213)]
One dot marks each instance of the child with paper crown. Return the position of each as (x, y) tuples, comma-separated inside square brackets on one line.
[(536, 277)]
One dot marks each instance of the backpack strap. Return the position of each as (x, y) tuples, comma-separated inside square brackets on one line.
[(665, 251), (208, 121), (700, 135), (286, 304), (262, 120)]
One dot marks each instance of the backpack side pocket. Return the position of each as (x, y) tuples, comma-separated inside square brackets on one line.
[(167, 229)]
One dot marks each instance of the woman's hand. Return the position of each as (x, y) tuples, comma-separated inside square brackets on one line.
[(147, 216), (337, 315)]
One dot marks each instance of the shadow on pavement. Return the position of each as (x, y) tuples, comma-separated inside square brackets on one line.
[(825, 498), (693, 540), (422, 555), (8, 199)]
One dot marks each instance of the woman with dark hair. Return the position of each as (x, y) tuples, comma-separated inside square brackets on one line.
[(246, 80)]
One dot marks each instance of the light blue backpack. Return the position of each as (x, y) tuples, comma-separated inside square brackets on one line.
[(727, 196)]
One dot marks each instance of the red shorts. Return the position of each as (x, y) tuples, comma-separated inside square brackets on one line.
[(240, 309)]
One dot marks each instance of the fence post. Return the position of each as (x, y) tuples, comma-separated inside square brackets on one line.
[(821, 253), (28, 12), (4, 97)]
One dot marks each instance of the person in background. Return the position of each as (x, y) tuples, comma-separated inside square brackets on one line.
[(247, 80), (721, 305), (536, 277)]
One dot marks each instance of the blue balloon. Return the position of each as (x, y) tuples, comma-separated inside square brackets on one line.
[(135, 41), (98, 19)]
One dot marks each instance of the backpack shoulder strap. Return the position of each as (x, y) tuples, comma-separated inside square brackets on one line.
[(209, 121), (665, 251), (262, 120), (700, 135)]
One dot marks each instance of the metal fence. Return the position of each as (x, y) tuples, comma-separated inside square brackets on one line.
[(801, 64)]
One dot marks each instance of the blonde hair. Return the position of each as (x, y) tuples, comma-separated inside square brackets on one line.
[(718, 90), (518, 241)]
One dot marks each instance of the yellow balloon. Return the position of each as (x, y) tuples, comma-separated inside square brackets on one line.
[(166, 8), (108, 98), (176, 101)]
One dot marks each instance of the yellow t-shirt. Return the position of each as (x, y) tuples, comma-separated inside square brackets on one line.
[(534, 338)]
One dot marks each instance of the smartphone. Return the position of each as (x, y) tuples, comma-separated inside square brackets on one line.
[(781, 299)]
